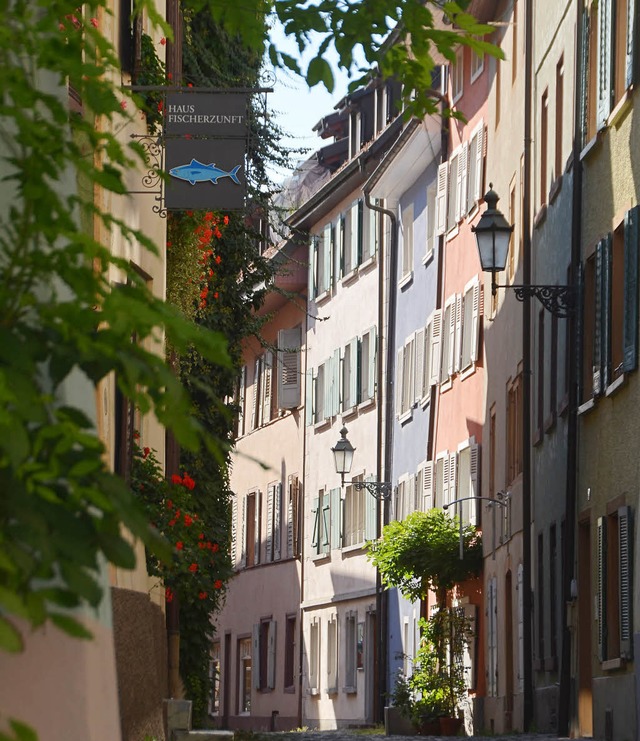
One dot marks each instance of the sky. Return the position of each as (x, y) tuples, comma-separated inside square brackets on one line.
[(296, 107)]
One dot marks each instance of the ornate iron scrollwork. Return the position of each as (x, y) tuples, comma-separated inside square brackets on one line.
[(559, 300)]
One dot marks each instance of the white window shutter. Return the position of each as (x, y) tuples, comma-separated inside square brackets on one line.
[(289, 344), (327, 258), (255, 656), (234, 530), (460, 169), (474, 482), (269, 533), (243, 534), (335, 383), (475, 323), (325, 546), (451, 363), (353, 372), (428, 486), (355, 234), (412, 371), (312, 270), (479, 169), (419, 369), (462, 180), (453, 476), (336, 518), (256, 549), (256, 393), (441, 198), (445, 481), (267, 385), (271, 655), (290, 517), (419, 489), (277, 521), (436, 346), (458, 334), (339, 249), (241, 394), (399, 380)]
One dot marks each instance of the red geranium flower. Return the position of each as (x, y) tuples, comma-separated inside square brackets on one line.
[(226, 220), (169, 504), (179, 545), (218, 259), (146, 452), (217, 584), (172, 523), (215, 547), (168, 594), (202, 595), (175, 479), (201, 536), (193, 568), (187, 480), (94, 22), (188, 521), (163, 41)]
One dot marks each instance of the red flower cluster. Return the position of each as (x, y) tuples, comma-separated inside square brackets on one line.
[(193, 568), (217, 584), (185, 481), (168, 594)]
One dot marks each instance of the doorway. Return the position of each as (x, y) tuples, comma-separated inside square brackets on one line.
[(585, 670)]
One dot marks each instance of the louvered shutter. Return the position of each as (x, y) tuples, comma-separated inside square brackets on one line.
[(339, 249), (256, 549), (371, 245), (451, 363), (290, 518), (243, 534), (606, 312), (601, 545), (410, 371), (436, 346), (334, 368), (355, 235), (605, 61), (289, 344), (312, 271), (269, 534), (234, 530), (271, 655), (308, 403), (353, 372), (255, 656), (419, 363), (462, 181), (267, 386), (584, 76), (336, 518), (419, 489), (630, 43), (474, 482), (625, 591), (441, 198), (457, 356), (475, 323), (453, 476), (399, 379), (241, 393), (360, 229), (427, 500), (579, 346), (630, 326), (315, 516), (479, 169), (371, 369), (277, 521), (326, 523), (597, 327), (256, 395), (327, 258), (445, 481), (370, 512)]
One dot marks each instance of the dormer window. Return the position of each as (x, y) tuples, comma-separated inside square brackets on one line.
[(355, 133)]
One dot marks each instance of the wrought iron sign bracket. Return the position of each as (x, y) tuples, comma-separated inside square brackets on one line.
[(377, 489), (153, 147), (558, 300)]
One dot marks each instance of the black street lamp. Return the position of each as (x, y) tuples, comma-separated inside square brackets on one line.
[(343, 452)]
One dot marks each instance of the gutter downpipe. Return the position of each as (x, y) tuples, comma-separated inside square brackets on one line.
[(527, 706), (566, 703), (384, 433)]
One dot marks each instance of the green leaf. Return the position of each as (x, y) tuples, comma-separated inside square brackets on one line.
[(117, 550), (70, 625), (319, 70), (10, 638), (23, 731), (13, 602)]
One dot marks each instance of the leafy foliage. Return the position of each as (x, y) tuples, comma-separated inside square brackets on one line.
[(422, 552)]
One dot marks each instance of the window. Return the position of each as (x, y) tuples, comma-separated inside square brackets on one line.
[(470, 324), (289, 343), (274, 522), (448, 341), (251, 529), (454, 191), (468, 484), (321, 250), (314, 656), (290, 647), (514, 428), (332, 655), (352, 246), (367, 366), (407, 240), (351, 649), (244, 676), (445, 473), (327, 521), (475, 169), (293, 517), (405, 378), (381, 107), (611, 308), (559, 164), (477, 62), (350, 376), (544, 124), (457, 75), (615, 590), (214, 676), (264, 655), (256, 406), (354, 514), (431, 221), (319, 395)]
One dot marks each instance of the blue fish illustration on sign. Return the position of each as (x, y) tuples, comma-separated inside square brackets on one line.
[(197, 172)]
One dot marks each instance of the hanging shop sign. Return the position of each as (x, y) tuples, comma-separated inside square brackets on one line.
[(205, 146)]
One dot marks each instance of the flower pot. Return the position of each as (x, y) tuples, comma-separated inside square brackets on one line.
[(450, 726), (429, 727)]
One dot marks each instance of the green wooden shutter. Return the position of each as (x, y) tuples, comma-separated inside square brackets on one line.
[(255, 657), (630, 327), (605, 61), (354, 244), (625, 591), (370, 512), (315, 516), (607, 370), (336, 518), (584, 76), (371, 370), (630, 51), (601, 536), (597, 325), (312, 273), (327, 253), (326, 524)]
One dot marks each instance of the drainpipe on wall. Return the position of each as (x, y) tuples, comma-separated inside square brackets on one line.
[(527, 708), (384, 431), (566, 700)]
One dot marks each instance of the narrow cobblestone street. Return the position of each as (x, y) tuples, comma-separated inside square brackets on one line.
[(359, 735)]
